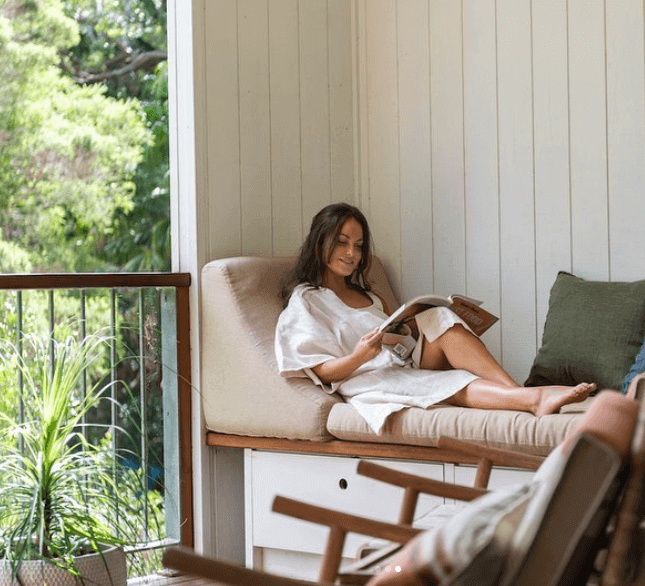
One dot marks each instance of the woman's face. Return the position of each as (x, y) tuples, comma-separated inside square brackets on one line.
[(348, 251)]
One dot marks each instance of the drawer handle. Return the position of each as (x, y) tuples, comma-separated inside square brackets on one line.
[(343, 484)]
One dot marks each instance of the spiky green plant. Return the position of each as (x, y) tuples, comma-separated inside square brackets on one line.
[(58, 493)]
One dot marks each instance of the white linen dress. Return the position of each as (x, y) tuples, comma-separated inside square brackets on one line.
[(317, 326)]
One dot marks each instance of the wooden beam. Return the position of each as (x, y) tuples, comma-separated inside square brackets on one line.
[(185, 415), (92, 280), (347, 448)]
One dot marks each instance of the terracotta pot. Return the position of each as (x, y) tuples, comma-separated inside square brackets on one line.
[(107, 568)]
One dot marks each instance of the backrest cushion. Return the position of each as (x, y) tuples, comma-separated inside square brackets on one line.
[(242, 391), (593, 332)]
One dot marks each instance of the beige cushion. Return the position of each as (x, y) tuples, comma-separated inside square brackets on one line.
[(242, 391), (501, 429)]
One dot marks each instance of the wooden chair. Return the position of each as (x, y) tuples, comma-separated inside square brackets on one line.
[(557, 541), (231, 575), (625, 561), (487, 458), (188, 562), (341, 524)]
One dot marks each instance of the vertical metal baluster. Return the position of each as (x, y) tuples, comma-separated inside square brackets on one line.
[(113, 394), (84, 375), (85, 429), (21, 382), (51, 332), (142, 403)]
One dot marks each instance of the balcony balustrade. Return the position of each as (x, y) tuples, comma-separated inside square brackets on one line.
[(148, 315)]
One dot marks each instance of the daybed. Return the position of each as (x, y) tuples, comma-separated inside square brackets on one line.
[(244, 395), (302, 443)]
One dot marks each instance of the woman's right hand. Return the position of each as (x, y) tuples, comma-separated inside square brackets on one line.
[(369, 346), (338, 369)]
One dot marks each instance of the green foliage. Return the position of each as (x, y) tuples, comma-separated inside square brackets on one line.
[(35, 323), (111, 32), (13, 258), (86, 154), (57, 494), (70, 154), (84, 182), (114, 35), (142, 236), (61, 494)]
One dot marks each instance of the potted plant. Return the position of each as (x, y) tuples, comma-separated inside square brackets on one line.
[(60, 502)]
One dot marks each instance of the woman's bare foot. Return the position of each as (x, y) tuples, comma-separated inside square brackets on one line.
[(552, 399)]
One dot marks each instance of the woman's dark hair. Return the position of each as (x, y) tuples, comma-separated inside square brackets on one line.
[(316, 249)]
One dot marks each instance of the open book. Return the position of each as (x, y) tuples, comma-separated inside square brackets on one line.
[(466, 308)]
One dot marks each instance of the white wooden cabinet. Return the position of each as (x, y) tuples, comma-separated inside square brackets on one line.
[(499, 477), (291, 547)]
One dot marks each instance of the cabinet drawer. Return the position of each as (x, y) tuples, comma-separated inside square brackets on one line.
[(328, 481), (499, 477)]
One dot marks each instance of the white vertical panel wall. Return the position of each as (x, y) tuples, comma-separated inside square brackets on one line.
[(490, 142), (481, 181), (588, 136), (516, 194), (383, 201), (415, 148), (279, 103), (625, 136), (527, 158), (447, 119), (551, 145)]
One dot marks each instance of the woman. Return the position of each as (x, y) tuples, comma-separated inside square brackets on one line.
[(329, 332)]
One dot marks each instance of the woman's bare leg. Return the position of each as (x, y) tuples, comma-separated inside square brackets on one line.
[(495, 389), (459, 348), (484, 394)]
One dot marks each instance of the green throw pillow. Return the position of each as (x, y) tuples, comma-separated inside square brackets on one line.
[(592, 333)]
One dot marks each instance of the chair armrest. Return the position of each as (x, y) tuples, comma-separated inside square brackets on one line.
[(419, 483), (345, 521), (497, 456), (340, 524), (489, 457), (188, 562)]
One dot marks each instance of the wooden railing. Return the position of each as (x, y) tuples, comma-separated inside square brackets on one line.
[(114, 282)]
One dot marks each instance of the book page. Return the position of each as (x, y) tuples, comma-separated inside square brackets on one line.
[(407, 311), (467, 308)]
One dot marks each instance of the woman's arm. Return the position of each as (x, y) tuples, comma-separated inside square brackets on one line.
[(338, 369)]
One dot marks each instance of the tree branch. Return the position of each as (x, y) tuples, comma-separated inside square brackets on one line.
[(138, 62)]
